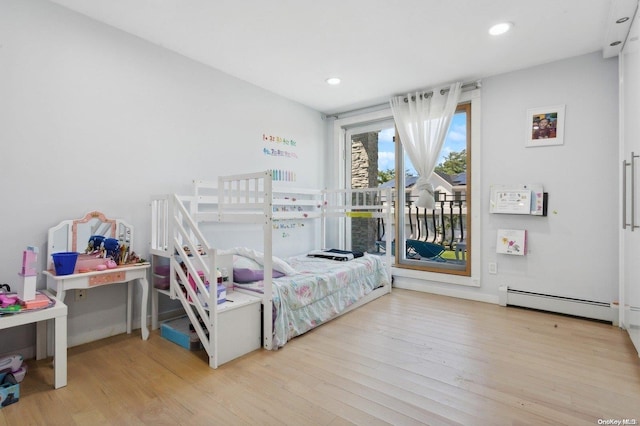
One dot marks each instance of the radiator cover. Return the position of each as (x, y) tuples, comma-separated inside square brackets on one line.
[(564, 305)]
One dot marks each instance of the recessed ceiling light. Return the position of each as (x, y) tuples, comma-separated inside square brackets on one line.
[(333, 81), (500, 28), (621, 20), (615, 43)]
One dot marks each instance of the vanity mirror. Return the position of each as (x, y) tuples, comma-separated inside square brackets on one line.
[(75, 235)]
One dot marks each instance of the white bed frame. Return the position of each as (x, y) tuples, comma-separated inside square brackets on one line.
[(248, 198)]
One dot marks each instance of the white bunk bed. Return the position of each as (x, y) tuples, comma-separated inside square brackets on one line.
[(250, 199)]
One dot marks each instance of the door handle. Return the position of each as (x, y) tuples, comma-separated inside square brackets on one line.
[(624, 194), (631, 164)]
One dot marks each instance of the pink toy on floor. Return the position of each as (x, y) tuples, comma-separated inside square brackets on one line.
[(11, 363), (20, 373)]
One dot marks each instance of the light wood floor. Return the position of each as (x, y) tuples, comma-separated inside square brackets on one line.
[(406, 358)]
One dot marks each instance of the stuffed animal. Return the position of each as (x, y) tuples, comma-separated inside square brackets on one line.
[(95, 243)]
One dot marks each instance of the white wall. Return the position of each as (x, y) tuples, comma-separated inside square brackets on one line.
[(573, 251), (94, 119)]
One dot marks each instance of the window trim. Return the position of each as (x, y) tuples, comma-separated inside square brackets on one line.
[(411, 278), (400, 196)]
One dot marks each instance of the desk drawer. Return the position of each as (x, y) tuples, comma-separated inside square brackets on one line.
[(108, 278)]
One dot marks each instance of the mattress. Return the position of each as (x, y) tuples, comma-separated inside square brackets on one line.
[(320, 291)]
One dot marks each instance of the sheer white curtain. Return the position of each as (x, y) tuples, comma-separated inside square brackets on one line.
[(423, 120)]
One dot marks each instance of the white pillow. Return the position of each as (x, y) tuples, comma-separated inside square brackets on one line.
[(242, 262), (258, 257)]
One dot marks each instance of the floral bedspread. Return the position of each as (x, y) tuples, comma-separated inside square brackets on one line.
[(321, 290)]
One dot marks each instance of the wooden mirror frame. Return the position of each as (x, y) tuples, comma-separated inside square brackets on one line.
[(90, 216)]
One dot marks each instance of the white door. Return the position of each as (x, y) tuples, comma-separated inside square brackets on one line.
[(630, 161)]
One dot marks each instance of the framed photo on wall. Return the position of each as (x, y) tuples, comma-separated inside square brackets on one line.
[(545, 126)]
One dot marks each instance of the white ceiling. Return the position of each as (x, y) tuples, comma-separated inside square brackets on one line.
[(377, 47)]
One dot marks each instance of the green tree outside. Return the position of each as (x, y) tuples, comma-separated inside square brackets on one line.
[(454, 163), (386, 175)]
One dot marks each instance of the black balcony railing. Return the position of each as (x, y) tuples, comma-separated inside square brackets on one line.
[(445, 225)]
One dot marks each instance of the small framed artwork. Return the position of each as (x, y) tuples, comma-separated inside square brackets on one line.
[(512, 241), (545, 126)]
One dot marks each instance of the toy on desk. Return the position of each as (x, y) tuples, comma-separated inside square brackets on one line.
[(8, 299), (94, 244), (112, 249), (116, 251), (9, 303), (11, 309), (40, 301), (29, 261), (27, 285)]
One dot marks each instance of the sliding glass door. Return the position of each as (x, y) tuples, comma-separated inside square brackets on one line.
[(424, 239)]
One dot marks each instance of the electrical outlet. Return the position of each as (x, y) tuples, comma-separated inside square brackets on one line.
[(81, 294), (493, 268)]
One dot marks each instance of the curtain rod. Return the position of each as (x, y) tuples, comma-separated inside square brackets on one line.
[(466, 86)]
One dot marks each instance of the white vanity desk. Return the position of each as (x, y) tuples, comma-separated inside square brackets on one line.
[(122, 274), (73, 235)]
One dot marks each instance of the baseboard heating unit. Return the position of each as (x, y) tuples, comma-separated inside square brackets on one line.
[(563, 305)]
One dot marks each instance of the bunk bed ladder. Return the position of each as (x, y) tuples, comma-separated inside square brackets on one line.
[(199, 268)]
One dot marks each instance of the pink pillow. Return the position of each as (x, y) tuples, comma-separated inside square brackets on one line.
[(244, 275)]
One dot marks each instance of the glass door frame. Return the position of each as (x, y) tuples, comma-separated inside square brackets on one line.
[(400, 222), (350, 131)]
